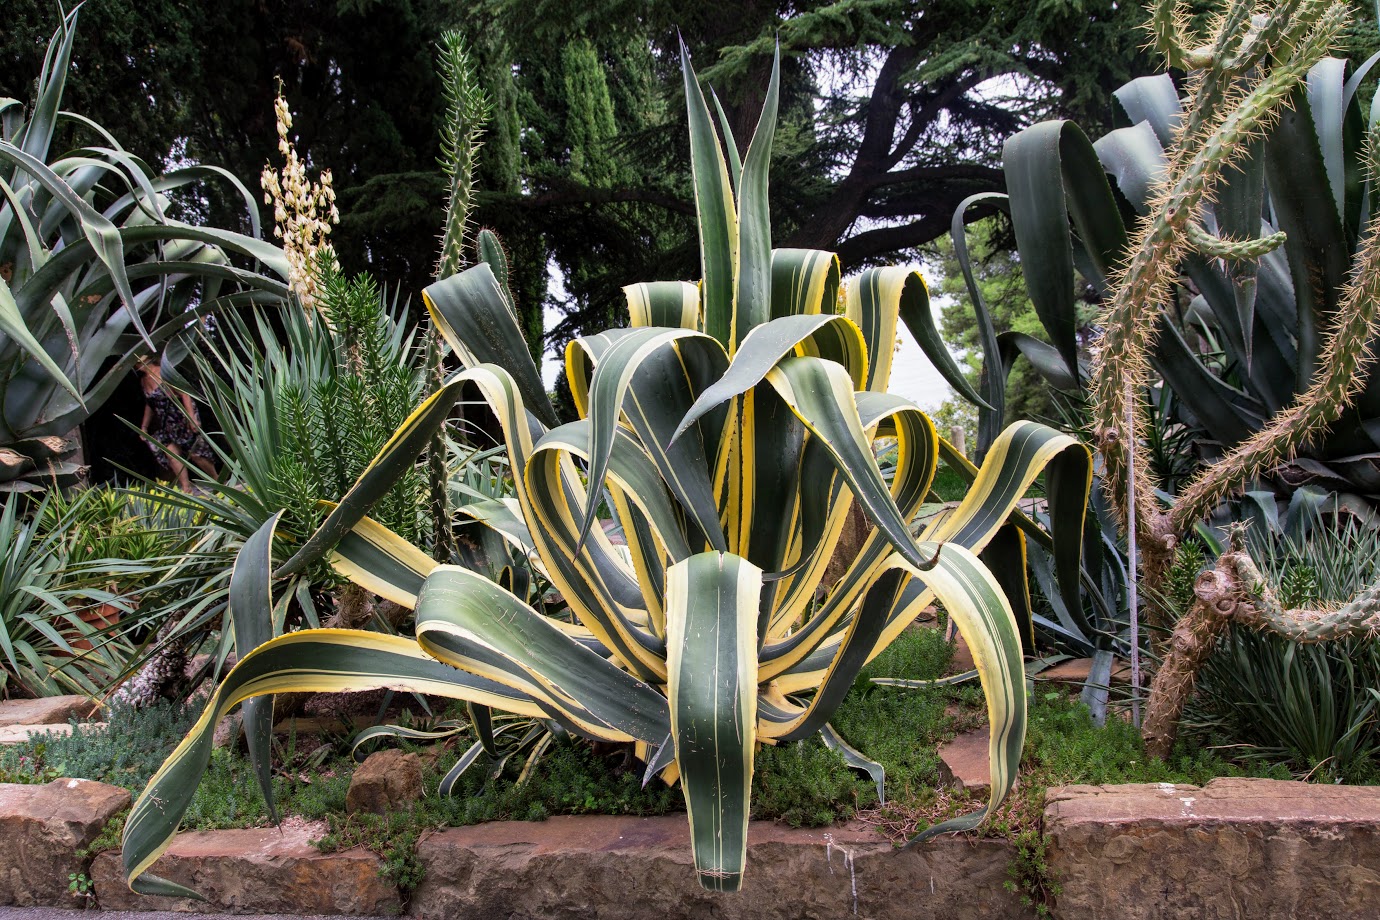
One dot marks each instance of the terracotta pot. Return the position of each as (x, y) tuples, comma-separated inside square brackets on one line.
[(98, 617)]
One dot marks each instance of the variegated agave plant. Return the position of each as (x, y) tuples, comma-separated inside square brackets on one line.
[(731, 427)]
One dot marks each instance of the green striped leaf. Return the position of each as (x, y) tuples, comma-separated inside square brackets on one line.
[(461, 614), (674, 304), (313, 660), (472, 313), (380, 561), (753, 305), (711, 620), (714, 206), (251, 617)]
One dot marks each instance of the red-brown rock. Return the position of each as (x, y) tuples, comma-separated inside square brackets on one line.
[(387, 781), (964, 762), (1235, 848), (622, 868), (260, 870), (43, 828)]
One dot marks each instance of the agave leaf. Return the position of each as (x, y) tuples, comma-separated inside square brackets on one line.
[(472, 313), (251, 617), (753, 305), (718, 218), (675, 304), (1152, 100), (711, 610), (820, 395), (803, 281), (468, 621), (381, 562), (325, 660), (856, 759)]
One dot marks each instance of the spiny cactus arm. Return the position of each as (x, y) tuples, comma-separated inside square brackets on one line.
[(1145, 284), (1169, 28), (467, 111), (1359, 616), (1216, 247), (1343, 365)]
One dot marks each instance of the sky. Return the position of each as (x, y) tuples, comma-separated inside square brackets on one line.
[(912, 375)]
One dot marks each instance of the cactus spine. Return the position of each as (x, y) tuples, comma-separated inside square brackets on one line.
[(1240, 80), (467, 112), (1278, 49)]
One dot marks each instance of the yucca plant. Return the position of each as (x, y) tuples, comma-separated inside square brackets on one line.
[(93, 267), (728, 431)]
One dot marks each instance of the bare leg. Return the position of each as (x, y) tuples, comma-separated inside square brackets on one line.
[(205, 465), (179, 469)]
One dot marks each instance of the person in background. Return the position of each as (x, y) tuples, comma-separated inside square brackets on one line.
[(172, 421)]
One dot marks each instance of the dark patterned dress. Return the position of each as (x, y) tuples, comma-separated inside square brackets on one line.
[(171, 429)]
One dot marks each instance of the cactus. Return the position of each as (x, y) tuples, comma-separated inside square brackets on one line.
[(1278, 50), (467, 112), (1223, 117)]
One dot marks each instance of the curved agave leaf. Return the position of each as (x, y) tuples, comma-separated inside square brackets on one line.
[(803, 281), (663, 303), (834, 338), (473, 314), (318, 661), (462, 615)]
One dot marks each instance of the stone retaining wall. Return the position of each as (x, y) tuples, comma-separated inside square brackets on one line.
[(1232, 849)]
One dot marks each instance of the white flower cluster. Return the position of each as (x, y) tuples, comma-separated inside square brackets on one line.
[(303, 211)]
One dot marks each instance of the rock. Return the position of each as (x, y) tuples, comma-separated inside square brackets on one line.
[(48, 710), (229, 731), (43, 828), (964, 762), (1076, 671), (1232, 848), (260, 870), (963, 656), (386, 781), (18, 734), (625, 868)]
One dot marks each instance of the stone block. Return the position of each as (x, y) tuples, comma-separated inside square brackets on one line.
[(43, 828), (1235, 848), (965, 762), (48, 710), (258, 870), (387, 781), (624, 868)]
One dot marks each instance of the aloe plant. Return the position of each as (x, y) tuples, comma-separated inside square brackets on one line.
[(93, 267), (728, 431)]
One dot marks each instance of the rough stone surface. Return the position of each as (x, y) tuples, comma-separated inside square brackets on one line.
[(622, 868), (18, 734), (48, 710), (259, 870), (1076, 671), (43, 827), (386, 781), (964, 762), (1235, 848)]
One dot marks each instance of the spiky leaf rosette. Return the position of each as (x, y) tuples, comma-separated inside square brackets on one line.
[(730, 428)]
